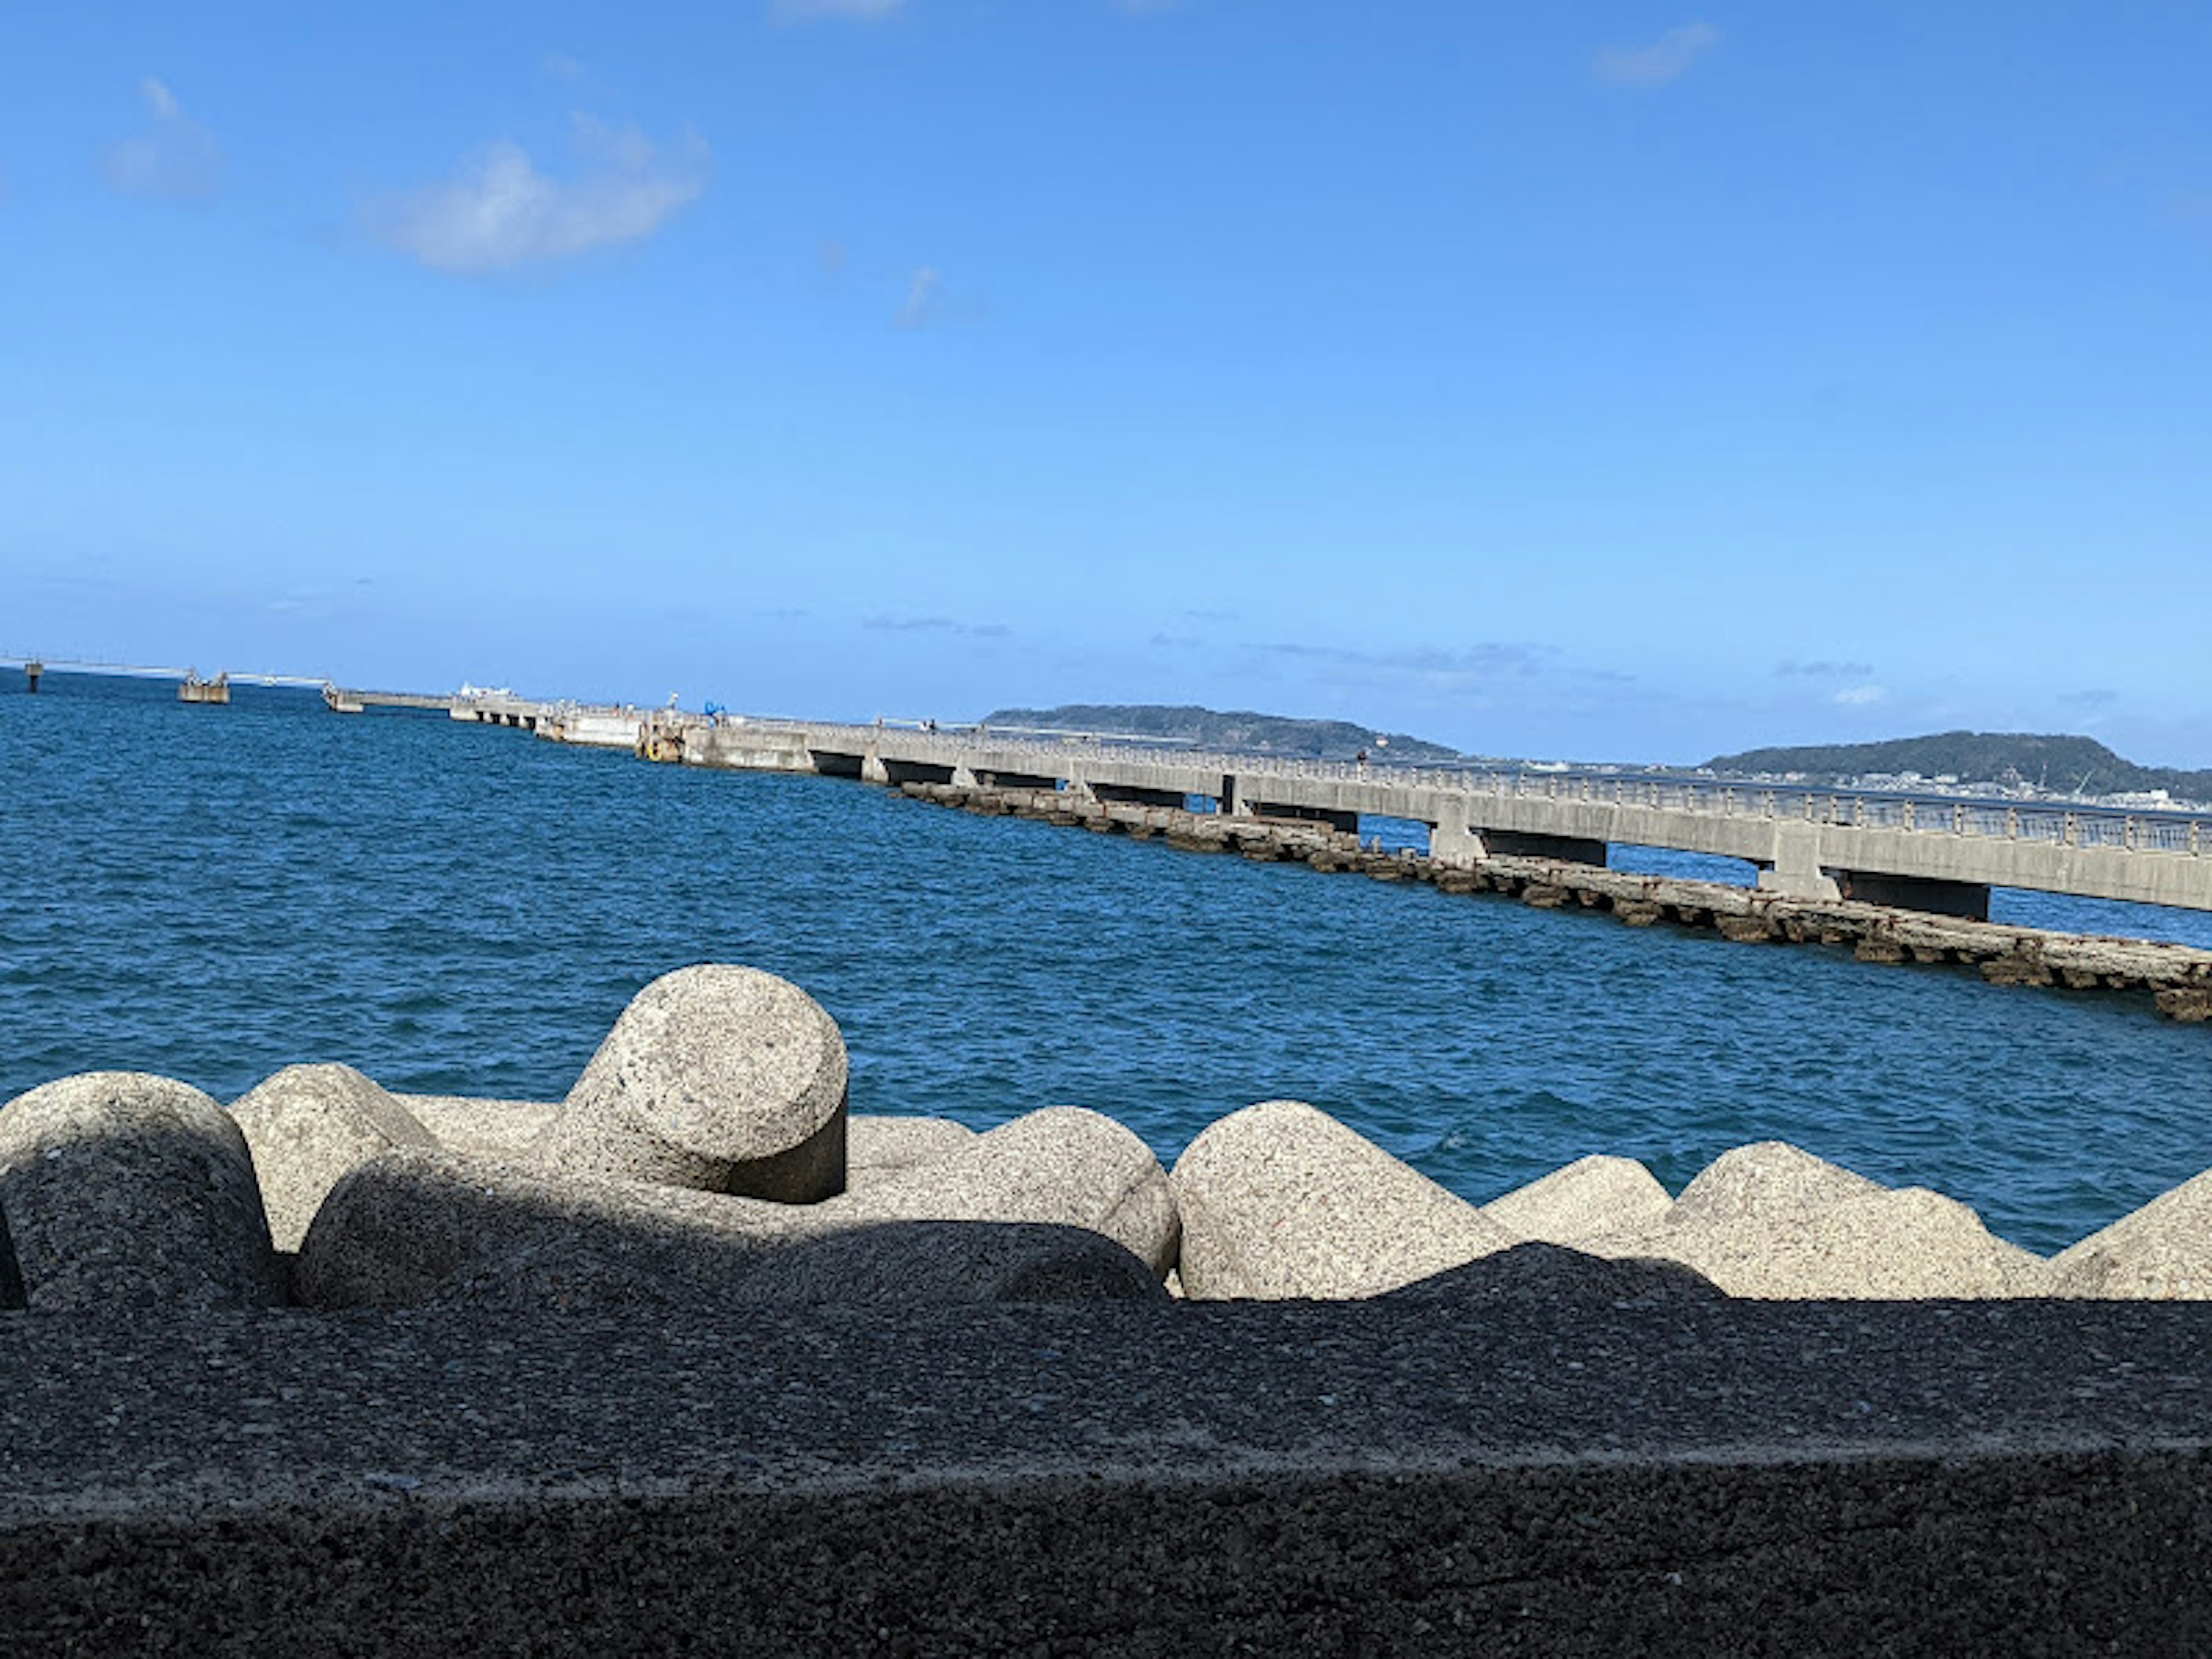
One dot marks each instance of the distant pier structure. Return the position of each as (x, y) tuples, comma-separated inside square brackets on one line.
[(32, 671)]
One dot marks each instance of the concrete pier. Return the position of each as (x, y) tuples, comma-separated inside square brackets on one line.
[(1940, 856), (2177, 977), (215, 691)]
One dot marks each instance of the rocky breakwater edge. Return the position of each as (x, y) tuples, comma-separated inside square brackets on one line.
[(2177, 977), (1172, 1405), (707, 1155)]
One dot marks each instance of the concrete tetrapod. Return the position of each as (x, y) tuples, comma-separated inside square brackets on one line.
[(1280, 1200), (128, 1191), (1064, 1163), (1589, 1198), (415, 1226), (721, 1079), (887, 1264), (878, 1148), (308, 1126), (482, 1127), (2161, 1251), (1770, 1221)]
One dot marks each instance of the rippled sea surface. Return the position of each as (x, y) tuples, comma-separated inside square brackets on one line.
[(214, 893)]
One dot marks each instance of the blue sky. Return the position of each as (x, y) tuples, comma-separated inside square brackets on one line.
[(1607, 381)]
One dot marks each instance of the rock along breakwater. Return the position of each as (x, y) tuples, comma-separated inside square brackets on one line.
[(698, 1356), (2177, 977)]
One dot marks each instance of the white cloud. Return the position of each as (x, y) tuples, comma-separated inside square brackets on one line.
[(501, 212), (1862, 696), (174, 157), (866, 8), (1665, 59), (925, 299)]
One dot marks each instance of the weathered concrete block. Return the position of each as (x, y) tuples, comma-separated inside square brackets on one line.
[(482, 1127), (1772, 1222), (413, 1228), (2161, 1251), (1279, 1199), (128, 1191), (1591, 1196), (1065, 1164), (1557, 1276), (721, 1078), (307, 1125), (891, 1264), (876, 1147), (401, 1225)]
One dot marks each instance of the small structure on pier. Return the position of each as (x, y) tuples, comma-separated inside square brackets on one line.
[(32, 671), (196, 690)]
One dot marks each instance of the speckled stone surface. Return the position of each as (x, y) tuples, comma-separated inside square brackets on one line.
[(2162, 1249), (1771, 1221), (1065, 1164), (1514, 1474), (1591, 1196), (482, 1127), (308, 1125), (878, 1146), (719, 1077), (123, 1189), (1280, 1200)]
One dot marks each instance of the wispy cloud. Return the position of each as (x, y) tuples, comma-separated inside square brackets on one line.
[(2098, 698), (868, 10), (500, 212), (1667, 59), (1861, 696), (1823, 669), (925, 299), (562, 68), (1487, 661), (174, 157), (938, 625)]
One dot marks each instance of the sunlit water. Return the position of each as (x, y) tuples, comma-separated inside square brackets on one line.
[(213, 893)]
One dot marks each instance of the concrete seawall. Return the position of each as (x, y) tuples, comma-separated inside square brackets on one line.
[(1390, 1476)]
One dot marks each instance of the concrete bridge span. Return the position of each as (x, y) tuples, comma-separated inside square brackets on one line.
[(1926, 853)]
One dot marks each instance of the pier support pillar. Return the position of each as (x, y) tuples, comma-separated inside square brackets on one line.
[(32, 671), (1452, 842), (1794, 870), (872, 769)]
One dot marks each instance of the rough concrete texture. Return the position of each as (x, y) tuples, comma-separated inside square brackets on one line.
[(1279, 1199), (403, 1224), (308, 1126), (412, 1227), (125, 1190), (479, 1126), (1563, 1276), (1591, 1196), (2164, 1250), (878, 1146), (722, 1078), (896, 1263), (11, 1277), (1066, 1164), (1392, 1475), (1771, 1221)]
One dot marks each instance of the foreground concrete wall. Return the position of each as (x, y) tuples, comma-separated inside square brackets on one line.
[(1456, 1470)]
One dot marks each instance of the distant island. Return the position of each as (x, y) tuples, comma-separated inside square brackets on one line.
[(2052, 763), (1238, 729)]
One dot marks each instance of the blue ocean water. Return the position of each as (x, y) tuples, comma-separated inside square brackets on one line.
[(214, 893)]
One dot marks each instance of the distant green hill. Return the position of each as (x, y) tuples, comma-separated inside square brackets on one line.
[(1209, 728), (2069, 765)]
